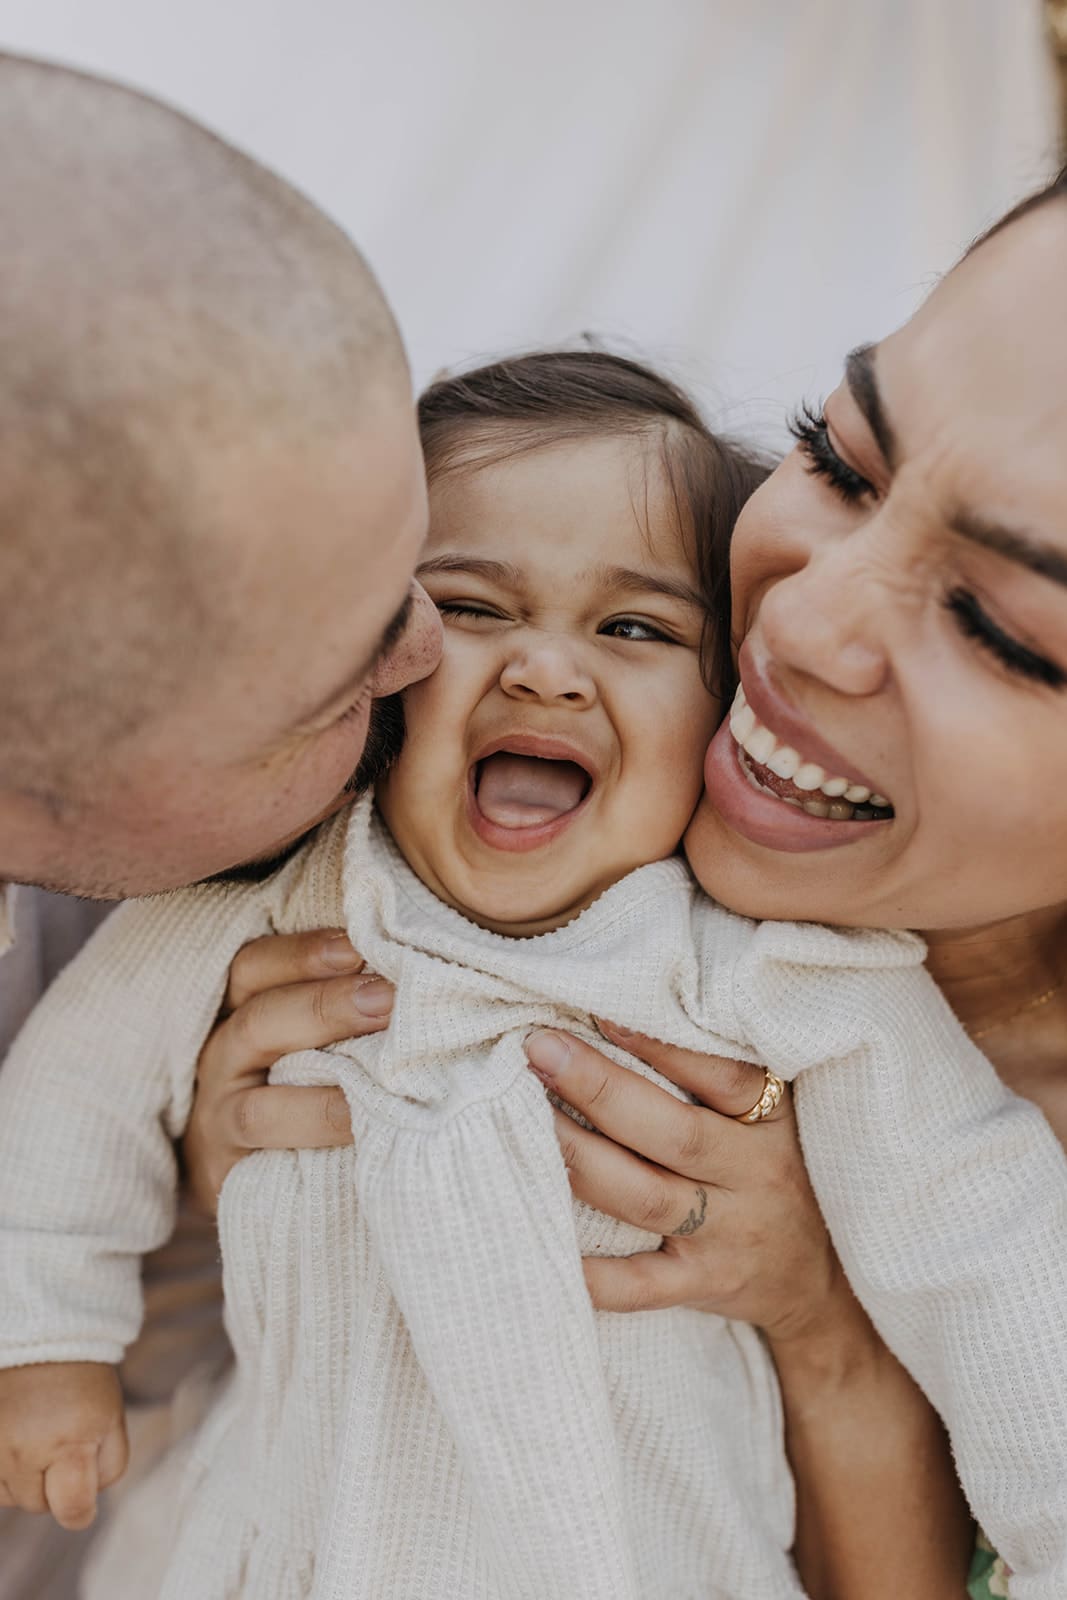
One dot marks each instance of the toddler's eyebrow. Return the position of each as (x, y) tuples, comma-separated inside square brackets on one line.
[(624, 580), (630, 581), (474, 566)]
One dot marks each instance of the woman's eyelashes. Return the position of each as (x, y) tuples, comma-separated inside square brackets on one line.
[(810, 430), (975, 623)]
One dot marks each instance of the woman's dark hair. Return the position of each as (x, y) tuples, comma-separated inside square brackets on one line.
[(526, 402)]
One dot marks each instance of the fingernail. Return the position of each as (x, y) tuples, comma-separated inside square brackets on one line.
[(611, 1030), (337, 952), (547, 1053), (373, 997)]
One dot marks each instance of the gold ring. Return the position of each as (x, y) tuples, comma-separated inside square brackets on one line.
[(769, 1100)]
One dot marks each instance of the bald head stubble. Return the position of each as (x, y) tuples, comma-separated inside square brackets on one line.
[(165, 303)]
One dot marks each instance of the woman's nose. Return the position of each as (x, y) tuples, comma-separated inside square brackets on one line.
[(827, 621), (417, 651), (550, 671)]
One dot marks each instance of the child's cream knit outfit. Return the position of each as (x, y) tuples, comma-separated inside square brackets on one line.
[(425, 1406)]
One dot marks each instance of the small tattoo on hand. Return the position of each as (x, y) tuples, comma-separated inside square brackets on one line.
[(696, 1217)]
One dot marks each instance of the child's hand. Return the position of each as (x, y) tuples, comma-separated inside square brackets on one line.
[(62, 1438)]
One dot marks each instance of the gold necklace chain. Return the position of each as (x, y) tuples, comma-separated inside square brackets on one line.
[(1034, 1004)]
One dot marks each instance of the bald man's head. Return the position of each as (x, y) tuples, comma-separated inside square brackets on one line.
[(204, 405)]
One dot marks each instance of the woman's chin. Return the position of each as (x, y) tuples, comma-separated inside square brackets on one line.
[(749, 880)]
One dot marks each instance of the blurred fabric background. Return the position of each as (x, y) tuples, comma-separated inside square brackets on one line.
[(740, 189)]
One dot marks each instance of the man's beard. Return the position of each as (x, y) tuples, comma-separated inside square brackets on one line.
[(385, 740)]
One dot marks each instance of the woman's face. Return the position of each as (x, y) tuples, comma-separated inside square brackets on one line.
[(900, 588)]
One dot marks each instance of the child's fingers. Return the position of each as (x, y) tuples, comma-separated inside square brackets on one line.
[(70, 1486), (114, 1455), (24, 1489)]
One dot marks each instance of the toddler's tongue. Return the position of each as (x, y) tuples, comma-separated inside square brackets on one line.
[(525, 791)]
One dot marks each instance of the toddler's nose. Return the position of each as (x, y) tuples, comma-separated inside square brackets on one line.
[(548, 671)]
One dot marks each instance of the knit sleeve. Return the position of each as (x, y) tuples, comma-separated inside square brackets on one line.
[(92, 1093), (470, 1215), (946, 1197)]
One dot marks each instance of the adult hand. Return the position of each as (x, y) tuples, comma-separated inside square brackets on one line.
[(287, 992), (743, 1235)]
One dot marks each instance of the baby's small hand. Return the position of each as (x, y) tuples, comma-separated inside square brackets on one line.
[(62, 1438)]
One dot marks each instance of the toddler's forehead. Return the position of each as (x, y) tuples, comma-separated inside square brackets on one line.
[(564, 506)]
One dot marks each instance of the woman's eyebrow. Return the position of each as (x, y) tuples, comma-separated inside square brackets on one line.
[(1037, 555), (1047, 560), (862, 382)]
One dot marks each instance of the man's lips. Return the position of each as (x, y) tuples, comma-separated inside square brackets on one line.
[(789, 725)]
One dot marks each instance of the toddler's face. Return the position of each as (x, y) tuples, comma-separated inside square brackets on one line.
[(560, 743)]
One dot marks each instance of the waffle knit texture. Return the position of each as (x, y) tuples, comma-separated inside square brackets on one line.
[(7, 916), (424, 1405)]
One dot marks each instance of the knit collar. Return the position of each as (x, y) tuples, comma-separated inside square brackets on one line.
[(7, 916)]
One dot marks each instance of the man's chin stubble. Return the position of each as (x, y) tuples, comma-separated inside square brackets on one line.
[(385, 740)]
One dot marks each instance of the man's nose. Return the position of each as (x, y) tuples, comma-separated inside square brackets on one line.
[(549, 670), (417, 651)]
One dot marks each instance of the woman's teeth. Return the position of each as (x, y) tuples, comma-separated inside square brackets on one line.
[(832, 797)]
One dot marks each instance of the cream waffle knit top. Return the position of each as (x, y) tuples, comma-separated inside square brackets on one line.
[(424, 1404)]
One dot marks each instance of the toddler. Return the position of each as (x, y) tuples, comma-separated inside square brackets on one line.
[(424, 1405)]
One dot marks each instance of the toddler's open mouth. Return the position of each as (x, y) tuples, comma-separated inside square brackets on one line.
[(524, 790)]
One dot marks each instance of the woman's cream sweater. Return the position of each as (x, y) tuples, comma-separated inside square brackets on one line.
[(425, 1406)]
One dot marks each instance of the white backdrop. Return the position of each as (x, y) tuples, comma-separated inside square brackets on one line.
[(740, 189)]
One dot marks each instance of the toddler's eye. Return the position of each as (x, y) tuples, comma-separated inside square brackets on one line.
[(466, 608), (634, 628)]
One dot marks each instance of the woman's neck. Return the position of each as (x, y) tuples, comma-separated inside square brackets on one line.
[(992, 974)]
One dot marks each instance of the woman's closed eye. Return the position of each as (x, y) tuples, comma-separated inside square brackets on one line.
[(974, 622), (809, 428), (811, 432)]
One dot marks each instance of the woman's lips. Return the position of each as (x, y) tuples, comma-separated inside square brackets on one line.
[(789, 725), (762, 818)]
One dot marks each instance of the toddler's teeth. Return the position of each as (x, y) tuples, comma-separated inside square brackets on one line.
[(840, 811), (834, 787), (816, 808), (857, 794), (879, 800)]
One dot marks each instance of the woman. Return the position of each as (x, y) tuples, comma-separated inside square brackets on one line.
[(900, 603)]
